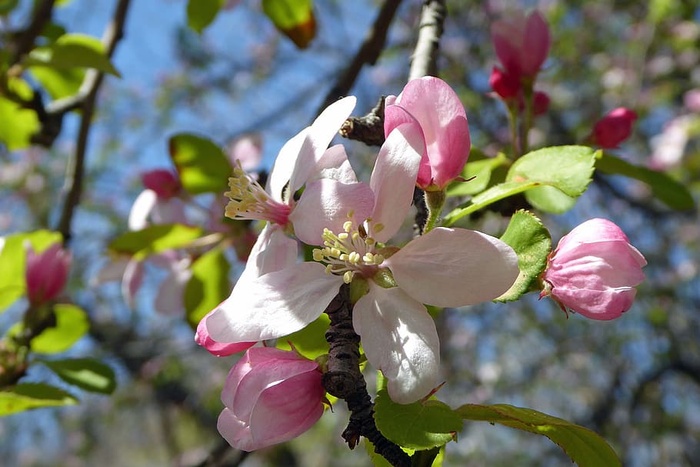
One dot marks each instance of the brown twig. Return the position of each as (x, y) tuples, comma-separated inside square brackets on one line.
[(25, 40), (89, 89), (367, 54), (344, 380)]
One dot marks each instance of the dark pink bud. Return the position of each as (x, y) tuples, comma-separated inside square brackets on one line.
[(46, 273), (594, 271), (540, 104), (271, 396), (163, 182), (613, 128), (505, 85), (522, 43)]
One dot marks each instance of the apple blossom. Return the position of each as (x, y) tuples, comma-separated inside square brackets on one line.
[(613, 128), (522, 43), (446, 267), (443, 122), (270, 396), (46, 273), (594, 271)]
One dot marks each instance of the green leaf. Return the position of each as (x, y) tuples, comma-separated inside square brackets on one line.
[(310, 341), (59, 82), (154, 239), (672, 193), (566, 170), (477, 175), (294, 18), (531, 241), (73, 51), (17, 124), (71, 324), (208, 286), (551, 179), (86, 373), (201, 13), (13, 257), (202, 165), (583, 446), (28, 396), (421, 425)]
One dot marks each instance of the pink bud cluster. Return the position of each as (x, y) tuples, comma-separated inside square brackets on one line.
[(522, 43)]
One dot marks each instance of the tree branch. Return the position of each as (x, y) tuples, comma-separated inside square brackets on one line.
[(430, 30), (25, 41), (89, 88), (344, 380), (368, 53)]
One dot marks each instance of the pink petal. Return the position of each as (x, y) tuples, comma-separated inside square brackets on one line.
[(394, 177), (443, 120), (454, 267), (536, 44), (326, 204), (596, 304), (131, 281), (235, 431), (218, 349), (400, 339), (274, 305)]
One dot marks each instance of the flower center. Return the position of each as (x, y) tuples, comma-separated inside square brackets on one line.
[(248, 200), (351, 252)]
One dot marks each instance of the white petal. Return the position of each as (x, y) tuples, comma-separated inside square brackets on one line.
[(141, 209), (454, 267), (273, 305), (394, 178), (326, 204), (169, 299), (334, 164), (272, 251), (399, 338), (284, 166), (321, 133)]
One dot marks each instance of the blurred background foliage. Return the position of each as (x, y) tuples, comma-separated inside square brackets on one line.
[(635, 380)]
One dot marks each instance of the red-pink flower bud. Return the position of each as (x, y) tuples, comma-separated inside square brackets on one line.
[(46, 273), (613, 128), (219, 349), (434, 109), (271, 396), (540, 103), (504, 84), (522, 43), (594, 271), (163, 182)]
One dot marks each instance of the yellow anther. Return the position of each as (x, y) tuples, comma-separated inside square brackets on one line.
[(329, 269), (347, 276), (318, 254), (343, 236), (347, 226)]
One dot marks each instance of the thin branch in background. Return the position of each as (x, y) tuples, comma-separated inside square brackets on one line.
[(41, 16), (89, 88), (430, 29), (367, 54)]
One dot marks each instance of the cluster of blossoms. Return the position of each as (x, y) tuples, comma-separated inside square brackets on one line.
[(314, 197)]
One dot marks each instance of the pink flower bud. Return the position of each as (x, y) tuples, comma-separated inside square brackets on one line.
[(441, 117), (163, 182), (271, 396), (505, 85), (46, 273), (594, 270), (613, 128), (219, 349), (522, 44), (540, 103)]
